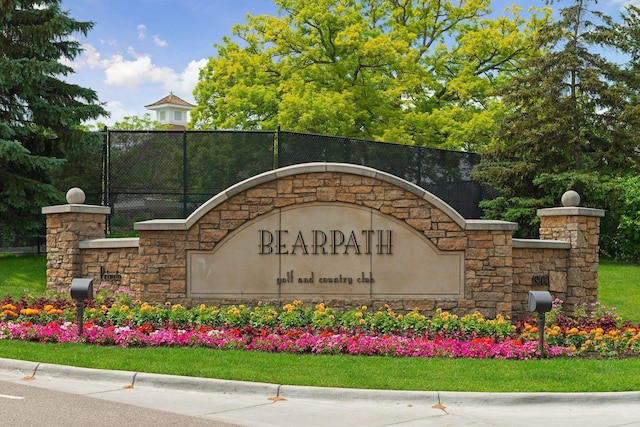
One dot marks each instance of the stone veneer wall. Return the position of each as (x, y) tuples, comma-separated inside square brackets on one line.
[(67, 226), (581, 228), (120, 263), (498, 269), (163, 253), (531, 261)]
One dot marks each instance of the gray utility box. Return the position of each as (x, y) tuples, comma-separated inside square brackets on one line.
[(81, 289), (540, 301)]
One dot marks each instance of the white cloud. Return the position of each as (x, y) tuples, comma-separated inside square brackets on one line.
[(189, 76), (142, 31), (108, 42), (159, 42), (128, 81), (90, 58), (118, 111), (141, 70)]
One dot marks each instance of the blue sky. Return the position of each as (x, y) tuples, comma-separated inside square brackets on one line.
[(140, 50)]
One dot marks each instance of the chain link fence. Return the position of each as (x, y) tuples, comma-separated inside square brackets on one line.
[(444, 173), (168, 174)]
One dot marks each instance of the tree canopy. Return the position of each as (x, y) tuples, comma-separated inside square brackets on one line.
[(572, 115), (136, 123), (39, 110), (412, 71)]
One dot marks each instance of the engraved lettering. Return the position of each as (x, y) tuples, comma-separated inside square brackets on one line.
[(368, 239), (337, 239), (319, 240), (352, 243), (384, 242), (299, 243), (281, 247), (266, 240)]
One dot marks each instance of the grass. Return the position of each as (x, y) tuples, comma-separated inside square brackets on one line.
[(22, 274), (390, 373), (619, 287)]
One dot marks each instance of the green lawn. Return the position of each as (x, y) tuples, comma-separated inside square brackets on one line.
[(619, 287), (390, 373), (19, 275)]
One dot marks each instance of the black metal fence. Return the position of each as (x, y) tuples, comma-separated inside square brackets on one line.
[(168, 174)]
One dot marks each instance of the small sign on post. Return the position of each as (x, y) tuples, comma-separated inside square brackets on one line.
[(81, 289)]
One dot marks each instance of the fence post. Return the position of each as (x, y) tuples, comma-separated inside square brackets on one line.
[(184, 174), (106, 177), (276, 148), (419, 169)]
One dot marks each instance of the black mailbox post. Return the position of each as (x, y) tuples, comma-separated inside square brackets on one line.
[(541, 302), (81, 289)]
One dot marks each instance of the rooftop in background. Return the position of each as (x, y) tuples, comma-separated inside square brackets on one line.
[(172, 110), (170, 99)]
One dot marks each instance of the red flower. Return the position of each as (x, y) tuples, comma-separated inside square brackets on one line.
[(487, 341)]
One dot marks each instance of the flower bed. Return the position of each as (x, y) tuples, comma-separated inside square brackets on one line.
[(295, 328)]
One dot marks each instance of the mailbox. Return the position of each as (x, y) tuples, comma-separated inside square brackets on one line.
[(81, 289), (540, 301)]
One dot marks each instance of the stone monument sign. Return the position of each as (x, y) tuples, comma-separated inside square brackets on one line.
[(329, 232)]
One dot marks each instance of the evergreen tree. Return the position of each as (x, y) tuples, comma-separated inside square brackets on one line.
[(39, 110), (572, 118)]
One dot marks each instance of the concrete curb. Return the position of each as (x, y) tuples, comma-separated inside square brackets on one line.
[(26, 369)]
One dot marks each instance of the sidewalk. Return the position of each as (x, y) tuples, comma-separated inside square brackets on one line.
[(259, 404)]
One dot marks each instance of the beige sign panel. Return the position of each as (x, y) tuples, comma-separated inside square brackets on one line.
[(326, 250)]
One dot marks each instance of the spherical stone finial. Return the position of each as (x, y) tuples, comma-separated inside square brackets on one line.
[(75, 196), (570, 199)]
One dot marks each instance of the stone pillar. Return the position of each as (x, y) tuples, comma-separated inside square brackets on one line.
[(581, 228), (67, 226)]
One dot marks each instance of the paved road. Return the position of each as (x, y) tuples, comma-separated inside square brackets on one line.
[(23, 405), (45, 394)]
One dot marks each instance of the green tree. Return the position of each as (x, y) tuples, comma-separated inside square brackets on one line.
[(411, 71), (137, 123), (572, 119), (38, 108)]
